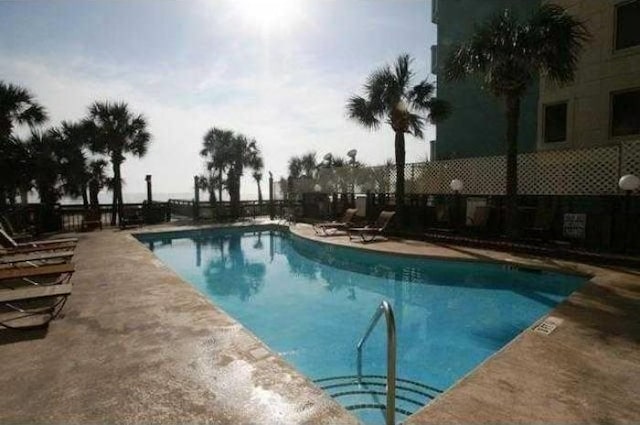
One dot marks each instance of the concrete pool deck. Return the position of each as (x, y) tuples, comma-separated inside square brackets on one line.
[(137, 344)]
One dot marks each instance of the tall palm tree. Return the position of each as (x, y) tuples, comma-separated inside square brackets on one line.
[(115, 131), (241, 154), (215, 146), (17, 107), (45, 169), (295, 167), (508, 54), (72, 143), (391, 99), (257, 165), (309, 164), (97, 180)]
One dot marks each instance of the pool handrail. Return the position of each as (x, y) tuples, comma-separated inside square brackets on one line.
[(384, 308)]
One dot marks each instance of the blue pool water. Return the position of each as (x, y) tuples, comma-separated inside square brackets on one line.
[(311, 302)]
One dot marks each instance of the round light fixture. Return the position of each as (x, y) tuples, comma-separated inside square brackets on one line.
[(456, 185), (629, 183)]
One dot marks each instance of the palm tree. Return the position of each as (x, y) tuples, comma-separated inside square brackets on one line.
[(97, 181), (309, 164), (115, 131), (508, 55), (295, 167), (215, 145), (390, 98), (241, 153), (43, 152), (258, 166), (72, 141), (17, 107)]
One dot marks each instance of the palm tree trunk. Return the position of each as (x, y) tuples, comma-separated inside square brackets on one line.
[(212, 196), (220, 186), (85, 198), (93, 194), (400, 153), (259, 193), (120, 201), (513, 116), (116, 184)]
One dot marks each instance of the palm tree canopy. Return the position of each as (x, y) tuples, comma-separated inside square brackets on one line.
[(71, 140), (509, 53), (18, 107), (215, 146), (116, 131), (309, 163), (295, 167), (386, 89)]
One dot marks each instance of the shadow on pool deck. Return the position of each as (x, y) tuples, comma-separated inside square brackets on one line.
[(138, 345)]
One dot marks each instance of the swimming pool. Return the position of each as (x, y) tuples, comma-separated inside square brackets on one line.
[(311, 303)]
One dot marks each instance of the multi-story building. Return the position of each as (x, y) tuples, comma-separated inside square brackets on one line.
[(476, 126), (601, 106)]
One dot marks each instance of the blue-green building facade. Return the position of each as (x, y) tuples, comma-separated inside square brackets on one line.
[(477, 123)]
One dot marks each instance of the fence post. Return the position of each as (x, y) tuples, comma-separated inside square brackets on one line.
[(196, 202), (271, 214), (149, 195)]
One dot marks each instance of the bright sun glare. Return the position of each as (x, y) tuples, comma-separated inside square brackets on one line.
[(270, 15)]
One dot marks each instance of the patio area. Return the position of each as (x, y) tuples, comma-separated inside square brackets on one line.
[(136, 344)]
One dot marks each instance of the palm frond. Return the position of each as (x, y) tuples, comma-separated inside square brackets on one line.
[(416, 125), (360, 110)]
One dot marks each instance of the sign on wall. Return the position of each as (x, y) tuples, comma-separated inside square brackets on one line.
[(574, 226)]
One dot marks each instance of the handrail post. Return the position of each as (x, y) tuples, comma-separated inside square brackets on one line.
[(384, 308)]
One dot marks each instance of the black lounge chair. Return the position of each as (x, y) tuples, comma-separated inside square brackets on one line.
[(369, 233), (330, 228)]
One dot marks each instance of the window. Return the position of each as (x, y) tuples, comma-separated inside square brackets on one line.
[(627, 27), (555, 123), (625, 113)]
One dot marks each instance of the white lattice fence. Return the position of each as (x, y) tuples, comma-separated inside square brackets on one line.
[(592, 171), (630, 158), (569, 172)]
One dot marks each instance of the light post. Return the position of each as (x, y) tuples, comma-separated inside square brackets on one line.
[(457, 185), (628, 183)]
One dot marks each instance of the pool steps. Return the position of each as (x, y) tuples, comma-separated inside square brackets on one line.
[(370, 393)]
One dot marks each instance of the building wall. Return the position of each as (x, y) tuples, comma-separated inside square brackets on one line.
[(601, 71), (477, 124)]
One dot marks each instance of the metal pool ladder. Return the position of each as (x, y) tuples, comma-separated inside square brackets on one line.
[(384, 308)]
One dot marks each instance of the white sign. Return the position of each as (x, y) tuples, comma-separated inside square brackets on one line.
[(574, 226)]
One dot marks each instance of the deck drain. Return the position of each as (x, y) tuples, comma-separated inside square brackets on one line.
[(549, 325)]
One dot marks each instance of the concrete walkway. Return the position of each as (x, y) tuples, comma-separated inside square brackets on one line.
[(138, 345)]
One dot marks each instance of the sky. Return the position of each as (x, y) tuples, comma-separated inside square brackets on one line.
[(279, 71)]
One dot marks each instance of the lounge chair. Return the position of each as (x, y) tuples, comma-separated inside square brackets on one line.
[(35, 259), (33, 306), (5, 224), (45, 275), (346, 222), (369, 233), (9, 244), (131, 217), (92, 219)]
